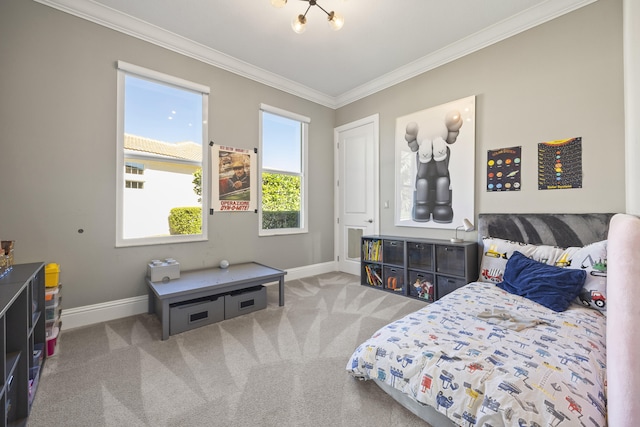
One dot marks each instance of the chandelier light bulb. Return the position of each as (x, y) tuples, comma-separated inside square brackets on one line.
[(299, 24), (336, 20)]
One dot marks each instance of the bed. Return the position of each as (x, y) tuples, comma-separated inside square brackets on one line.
[(526, 344)]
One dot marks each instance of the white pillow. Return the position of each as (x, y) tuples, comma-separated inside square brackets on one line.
[(593, 259), (496, 252)]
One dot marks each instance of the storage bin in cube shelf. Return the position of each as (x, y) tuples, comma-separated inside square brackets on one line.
[(393, 279), (38, 354), (11, 397), (393, 252), (34, 377), (51, 275), (421, 285)]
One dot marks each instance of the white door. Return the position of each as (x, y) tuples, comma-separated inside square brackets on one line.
[(356, 192)]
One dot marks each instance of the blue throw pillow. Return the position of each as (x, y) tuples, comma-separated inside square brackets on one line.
[(551, 286)]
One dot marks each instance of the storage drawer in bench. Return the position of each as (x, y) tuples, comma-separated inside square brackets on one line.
[(245, 301), (194, 313)]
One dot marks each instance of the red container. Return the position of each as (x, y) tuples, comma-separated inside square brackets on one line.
[(52, 341)]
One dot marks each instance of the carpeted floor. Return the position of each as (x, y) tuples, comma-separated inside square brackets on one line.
[(281, 366)]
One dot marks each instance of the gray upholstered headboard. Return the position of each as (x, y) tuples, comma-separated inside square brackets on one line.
[(562, 230)]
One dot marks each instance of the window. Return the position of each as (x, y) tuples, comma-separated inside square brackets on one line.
[(134, 184), (283, 148), (134, 168), (162, 125)]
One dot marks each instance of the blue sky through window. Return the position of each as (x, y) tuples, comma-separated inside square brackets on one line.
[(162, 112), (281, 143), (169, 114)]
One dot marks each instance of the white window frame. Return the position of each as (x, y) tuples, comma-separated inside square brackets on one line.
[(124, 69), (304, 121)]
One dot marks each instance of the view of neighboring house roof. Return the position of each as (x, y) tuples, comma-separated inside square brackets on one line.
[(186, 150)]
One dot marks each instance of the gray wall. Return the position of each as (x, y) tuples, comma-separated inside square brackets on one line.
[(559, 80), (58, 156)]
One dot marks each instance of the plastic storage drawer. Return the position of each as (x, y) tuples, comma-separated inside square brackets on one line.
[(52, 312), (51, 325), (245, 301), (194, 313), (52, 341), (52, 297)]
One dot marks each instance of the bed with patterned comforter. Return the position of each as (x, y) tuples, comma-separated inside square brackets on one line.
[(486, 357)]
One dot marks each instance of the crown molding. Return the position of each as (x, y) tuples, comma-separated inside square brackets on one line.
[(516, 24), (115, 20), (126, 24)]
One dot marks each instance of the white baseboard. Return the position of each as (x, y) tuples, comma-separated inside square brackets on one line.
[(96, 313), (310, 270), (111, 310)]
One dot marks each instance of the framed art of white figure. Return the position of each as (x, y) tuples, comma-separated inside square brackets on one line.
[(435, 165)]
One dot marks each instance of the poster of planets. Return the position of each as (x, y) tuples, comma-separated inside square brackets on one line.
[(503, 169), (560, 164)]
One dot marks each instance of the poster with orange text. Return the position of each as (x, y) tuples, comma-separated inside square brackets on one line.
[(233, 179)]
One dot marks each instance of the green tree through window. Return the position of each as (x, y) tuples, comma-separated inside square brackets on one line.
[(280, 201), (283, 166)]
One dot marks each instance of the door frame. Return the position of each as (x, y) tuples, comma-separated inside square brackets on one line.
[(373, 120)]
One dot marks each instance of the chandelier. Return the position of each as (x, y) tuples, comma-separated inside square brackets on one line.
[(299, 23)]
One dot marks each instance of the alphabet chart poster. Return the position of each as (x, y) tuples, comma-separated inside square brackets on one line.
[(503, 169), (560, 164)]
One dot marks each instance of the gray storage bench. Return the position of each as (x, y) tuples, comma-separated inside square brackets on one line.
[(202, 297)]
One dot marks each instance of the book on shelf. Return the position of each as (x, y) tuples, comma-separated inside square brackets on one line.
[(373, 278), (371, 250)]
